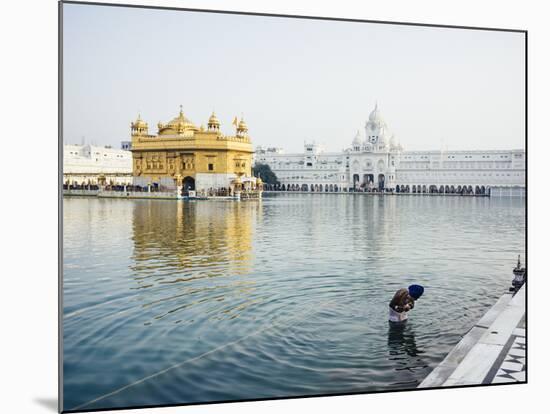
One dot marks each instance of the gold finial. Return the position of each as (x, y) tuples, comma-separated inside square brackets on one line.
[(181, 109), (242, 127)]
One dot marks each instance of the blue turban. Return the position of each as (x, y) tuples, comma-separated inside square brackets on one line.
[(416, 291)]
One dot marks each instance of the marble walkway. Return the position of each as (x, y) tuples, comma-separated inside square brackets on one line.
[(511, 367), (493, 351)]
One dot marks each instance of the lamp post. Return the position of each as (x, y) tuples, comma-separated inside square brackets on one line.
[(520, 275)]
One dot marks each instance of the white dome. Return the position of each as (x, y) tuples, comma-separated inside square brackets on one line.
[(375, 120), (375, 115), (357, 139)]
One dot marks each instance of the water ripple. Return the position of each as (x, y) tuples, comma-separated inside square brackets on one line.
[(287, 296)]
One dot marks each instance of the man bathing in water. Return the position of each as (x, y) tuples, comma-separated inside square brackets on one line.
[(403, 302)]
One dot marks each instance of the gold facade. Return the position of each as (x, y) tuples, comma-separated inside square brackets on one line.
[(181, 151)]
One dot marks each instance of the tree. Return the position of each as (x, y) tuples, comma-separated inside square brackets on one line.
[(265, 173)]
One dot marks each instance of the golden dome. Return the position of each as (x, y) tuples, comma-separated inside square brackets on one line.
[(258, 180), (242, 125), (139, 123), (213, 120), (178, 124), (181, 119)]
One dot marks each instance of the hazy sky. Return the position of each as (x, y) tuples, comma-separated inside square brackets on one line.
[(293, 79)]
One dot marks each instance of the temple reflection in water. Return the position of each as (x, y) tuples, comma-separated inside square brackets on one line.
[(179, 242), (193, 255), (193, 239)]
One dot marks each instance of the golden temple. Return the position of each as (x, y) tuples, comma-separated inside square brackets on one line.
[(185, 156)]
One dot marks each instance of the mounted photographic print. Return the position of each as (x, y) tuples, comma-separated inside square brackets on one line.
[(262, 206)]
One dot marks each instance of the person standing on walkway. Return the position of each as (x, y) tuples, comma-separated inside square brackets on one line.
[(403, 301)]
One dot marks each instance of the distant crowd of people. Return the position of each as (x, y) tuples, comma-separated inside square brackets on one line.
[(93, 187), (210, 192), (113, 187), (218, 192), (225, 192), (324, 189)]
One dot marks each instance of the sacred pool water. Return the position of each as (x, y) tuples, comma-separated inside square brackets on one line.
[(170, 302)]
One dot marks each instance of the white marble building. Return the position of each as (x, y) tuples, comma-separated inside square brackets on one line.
[(312, 170), (375, 162), (89, 164)]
